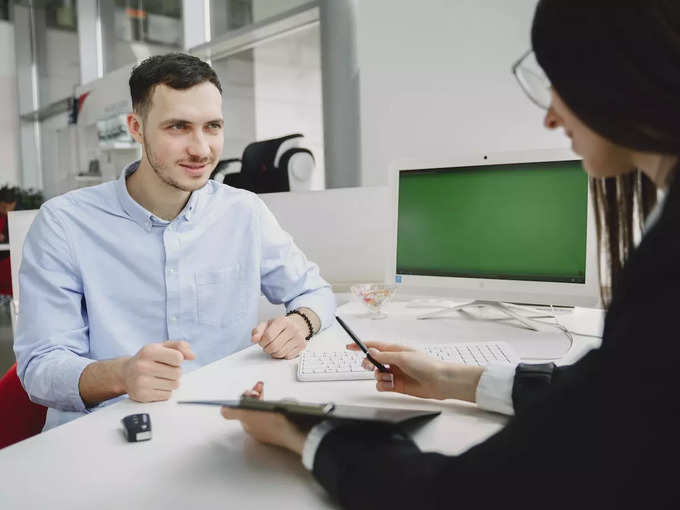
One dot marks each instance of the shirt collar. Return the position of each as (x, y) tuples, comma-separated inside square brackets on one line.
[(139, 214)]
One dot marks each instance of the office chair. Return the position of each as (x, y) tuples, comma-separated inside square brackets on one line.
[(5, 275), (268, 166), (5, 264), (20, 418), (227, 169)]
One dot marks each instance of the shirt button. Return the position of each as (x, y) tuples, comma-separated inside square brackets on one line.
[(172, 270), (173, 318)]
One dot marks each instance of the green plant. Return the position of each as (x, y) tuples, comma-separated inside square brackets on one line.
[(25, 198)]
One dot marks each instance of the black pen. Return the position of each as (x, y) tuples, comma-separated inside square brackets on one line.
[(378, 365)]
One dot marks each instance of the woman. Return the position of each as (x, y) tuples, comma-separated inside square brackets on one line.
[(602, 432)]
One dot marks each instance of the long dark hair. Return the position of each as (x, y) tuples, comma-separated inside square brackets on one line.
[(625, 88), (622, 205)]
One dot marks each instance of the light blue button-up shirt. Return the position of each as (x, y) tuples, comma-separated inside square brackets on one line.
[(101, 277)]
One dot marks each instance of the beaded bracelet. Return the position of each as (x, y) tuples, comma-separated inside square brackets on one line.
[(309, 323)]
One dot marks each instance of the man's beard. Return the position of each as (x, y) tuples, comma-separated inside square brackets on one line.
[(161, 170)]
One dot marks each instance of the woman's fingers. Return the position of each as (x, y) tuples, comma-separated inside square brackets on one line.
[(381, 346), (230, 413), (367, 365), (385, 382), (256, 392), (396, 358)]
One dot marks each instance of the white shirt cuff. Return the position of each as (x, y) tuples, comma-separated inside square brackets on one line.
[(494, 391), (313, 441)]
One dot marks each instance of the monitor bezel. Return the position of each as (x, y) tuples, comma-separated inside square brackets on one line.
[(513, 291)]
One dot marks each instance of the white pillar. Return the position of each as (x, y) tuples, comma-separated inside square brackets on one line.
[(90, 41), (340, 71), (196, 22)]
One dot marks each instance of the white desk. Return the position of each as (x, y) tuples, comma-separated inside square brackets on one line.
[(196, 459)]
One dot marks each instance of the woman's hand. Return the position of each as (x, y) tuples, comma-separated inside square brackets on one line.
[(270, 428), (415, 373)]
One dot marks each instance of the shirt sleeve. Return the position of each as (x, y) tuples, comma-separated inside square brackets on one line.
[(314, 438), (286, 274), (494, 391), (52, 340)]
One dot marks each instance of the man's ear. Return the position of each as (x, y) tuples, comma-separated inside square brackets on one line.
[(135, 127)]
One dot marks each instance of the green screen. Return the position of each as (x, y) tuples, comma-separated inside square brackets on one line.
[(523, 221)]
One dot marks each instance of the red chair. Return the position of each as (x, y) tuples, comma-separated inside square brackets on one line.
[(5, 267), (20, 418), (5, 276)]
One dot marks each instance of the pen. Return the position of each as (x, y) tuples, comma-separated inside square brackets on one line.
[(378, 365)]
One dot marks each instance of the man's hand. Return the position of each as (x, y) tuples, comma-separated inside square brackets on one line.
[(154, 372), (282, 337)]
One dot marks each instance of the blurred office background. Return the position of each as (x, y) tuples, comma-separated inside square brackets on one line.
[(366, 82)]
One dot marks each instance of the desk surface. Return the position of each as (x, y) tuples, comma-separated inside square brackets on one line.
[(197, 459)]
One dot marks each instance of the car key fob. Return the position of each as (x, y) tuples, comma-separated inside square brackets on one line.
[(137, 427)]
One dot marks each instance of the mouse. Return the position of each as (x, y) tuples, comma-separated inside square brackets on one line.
[(137, 427)]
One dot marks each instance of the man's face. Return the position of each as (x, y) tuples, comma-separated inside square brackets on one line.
[(182, 134)]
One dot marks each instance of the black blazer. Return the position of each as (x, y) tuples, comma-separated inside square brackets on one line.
[(604, 434)]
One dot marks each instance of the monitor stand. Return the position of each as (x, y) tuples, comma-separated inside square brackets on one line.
[(496, 305)]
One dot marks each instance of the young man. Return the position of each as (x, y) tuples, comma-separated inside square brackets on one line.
[(127, 284)]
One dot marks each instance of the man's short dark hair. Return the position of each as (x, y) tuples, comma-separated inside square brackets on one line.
[(176, 70)]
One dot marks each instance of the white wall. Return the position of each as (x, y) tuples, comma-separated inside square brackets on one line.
[(9, 122), (236, 74), (435, 81), (288, 93), (61, 71)]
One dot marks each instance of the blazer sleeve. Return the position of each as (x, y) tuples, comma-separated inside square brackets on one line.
[(599, 434), (363, 468), (532, 386)]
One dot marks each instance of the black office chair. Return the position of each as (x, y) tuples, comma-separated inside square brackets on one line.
[(267, 165), (227, 169)]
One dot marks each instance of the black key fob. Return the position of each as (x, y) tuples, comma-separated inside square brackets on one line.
[(137, 427)]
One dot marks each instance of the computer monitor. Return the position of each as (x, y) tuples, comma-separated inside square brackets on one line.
[(508, 228)]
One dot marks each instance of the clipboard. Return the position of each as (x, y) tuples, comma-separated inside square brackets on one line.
[(309, 414)]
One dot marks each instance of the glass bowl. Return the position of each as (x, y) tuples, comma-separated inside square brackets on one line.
[(374, 295)]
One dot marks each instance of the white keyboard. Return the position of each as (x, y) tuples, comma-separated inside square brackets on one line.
[(346, 365)]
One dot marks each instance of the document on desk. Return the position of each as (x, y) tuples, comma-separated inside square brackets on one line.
[(312, 413)]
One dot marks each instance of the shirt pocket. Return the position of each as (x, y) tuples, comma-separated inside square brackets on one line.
[(219, 296)]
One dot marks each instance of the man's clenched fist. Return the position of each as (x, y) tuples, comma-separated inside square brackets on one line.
[(282, 337), (154, 372)]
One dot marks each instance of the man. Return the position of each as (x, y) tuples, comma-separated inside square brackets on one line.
[(127, 284)]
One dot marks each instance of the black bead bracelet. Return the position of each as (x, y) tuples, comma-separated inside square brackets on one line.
[(309, 323)]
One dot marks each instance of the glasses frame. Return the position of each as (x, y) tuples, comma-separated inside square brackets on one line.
[(516, 70)]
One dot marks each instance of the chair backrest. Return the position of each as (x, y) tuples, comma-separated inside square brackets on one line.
[(20, 418), (260, 170), (19, 224)]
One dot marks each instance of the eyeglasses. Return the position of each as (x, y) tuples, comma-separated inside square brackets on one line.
[(532, 79)]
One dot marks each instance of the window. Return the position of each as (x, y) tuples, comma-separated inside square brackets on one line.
[(229, 15), (60, 14), (4, 9), (135, 29)]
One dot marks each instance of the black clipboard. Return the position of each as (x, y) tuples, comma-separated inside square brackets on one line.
[(308, 414)]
